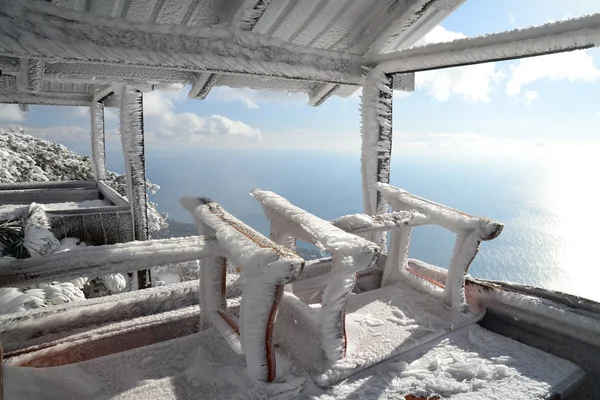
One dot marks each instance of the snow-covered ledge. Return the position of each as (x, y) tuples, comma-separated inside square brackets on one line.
[(266, 267), (351, 254), (470, 231)]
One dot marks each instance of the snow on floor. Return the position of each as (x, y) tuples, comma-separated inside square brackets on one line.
[(380, 324), (471, 363)]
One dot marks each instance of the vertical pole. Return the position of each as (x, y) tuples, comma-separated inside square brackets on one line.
[(132, 140), (376, 109), (98, 140)]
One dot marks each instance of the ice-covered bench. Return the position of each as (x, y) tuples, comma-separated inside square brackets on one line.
[(265, 265)]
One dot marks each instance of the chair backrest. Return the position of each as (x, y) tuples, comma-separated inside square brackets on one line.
[(351, 254), (470, 231)]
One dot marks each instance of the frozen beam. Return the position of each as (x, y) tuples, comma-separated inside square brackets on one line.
[(46, 98), (562, 36), (9, 65), (320, 93), (44, 31), (203, 83), (24, 107), (244, 19), (376, 110), (31, 74)]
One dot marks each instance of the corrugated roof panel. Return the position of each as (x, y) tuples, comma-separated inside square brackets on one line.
[(271, 15), (173, 11), (290, 22), (322, 17)]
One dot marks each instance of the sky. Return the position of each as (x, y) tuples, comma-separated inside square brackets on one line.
[(507, 107)]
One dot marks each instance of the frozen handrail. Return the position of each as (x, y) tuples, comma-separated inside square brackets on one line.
[(351, 254), (266, 267), (470, 231), (102, 260)]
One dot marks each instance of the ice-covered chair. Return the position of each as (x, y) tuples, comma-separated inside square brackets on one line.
[(356, 331)]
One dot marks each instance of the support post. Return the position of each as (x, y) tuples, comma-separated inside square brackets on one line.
[(98, 140), (132, 140), (376, 111)]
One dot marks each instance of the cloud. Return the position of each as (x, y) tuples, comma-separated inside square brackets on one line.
[(11, 113), (572, 66), (162, 121), (472, 83), (512, 19), (530, 96), (438, 139), (252, 98)]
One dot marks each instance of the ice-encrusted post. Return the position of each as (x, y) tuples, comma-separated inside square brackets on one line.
[(376, 111), (132, 140), (98, 140)]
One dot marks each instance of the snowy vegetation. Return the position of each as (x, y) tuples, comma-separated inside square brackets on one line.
[(24, 158)]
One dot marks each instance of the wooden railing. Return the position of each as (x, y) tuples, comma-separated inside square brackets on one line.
[(470, 231)]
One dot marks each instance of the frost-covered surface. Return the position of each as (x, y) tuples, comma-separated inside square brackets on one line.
[(24, 158), (103, 260), (540, 312), (467, 364), (98, 140), (67, 205), (559, 36), (266, 267), (471, 363), (376, 132), (351, 254), (361, 223), (50, 32), (132, 142), (380, 324), (470, 232)]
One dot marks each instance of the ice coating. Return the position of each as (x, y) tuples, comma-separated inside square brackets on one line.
[(568, 35), (470, 232), (103, 260), (351, 254), (266, 267)]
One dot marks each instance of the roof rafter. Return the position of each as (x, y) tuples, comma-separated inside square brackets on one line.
[(245, 18), (43, 31), (46, 98), (562, 36)]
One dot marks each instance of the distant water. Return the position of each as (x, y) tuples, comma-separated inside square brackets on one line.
[(549, 208)]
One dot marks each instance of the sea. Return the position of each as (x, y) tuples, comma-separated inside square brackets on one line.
[(549, 205)]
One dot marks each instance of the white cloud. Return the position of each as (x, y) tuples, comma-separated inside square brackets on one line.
[(252, 98), (512, 18), (163, 121), (530, 96), (572, 66), (473, 83), (11, 113)]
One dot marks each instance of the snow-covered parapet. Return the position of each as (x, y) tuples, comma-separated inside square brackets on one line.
[(103, 260), (351, 254), (470, 231), (266, 267)]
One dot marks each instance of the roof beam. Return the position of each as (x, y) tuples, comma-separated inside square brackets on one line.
[(245, 18), (320, 93), (46, 98), (44, 31), (31, 75), (557, 37)]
